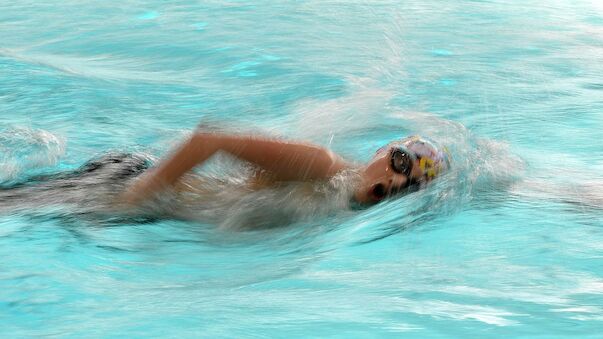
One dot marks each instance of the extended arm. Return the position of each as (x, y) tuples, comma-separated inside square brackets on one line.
[(285, 160)]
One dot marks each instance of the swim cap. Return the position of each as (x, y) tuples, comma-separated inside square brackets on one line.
[(432, 160)]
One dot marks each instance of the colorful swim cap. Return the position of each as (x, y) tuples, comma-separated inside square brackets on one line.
[(432, 160)]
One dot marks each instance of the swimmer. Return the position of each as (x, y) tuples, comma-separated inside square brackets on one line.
[(396, 168)]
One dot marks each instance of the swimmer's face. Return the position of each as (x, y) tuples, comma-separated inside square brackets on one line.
[(380, 179)]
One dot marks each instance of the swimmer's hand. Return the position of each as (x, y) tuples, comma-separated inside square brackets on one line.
[(285, 160)]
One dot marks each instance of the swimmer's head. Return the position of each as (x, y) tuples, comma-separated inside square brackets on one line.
[(401, 166)]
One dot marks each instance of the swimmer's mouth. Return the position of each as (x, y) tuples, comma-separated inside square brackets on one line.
[(378, 192)]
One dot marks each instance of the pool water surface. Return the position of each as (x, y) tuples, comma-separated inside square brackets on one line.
[(508, 243)]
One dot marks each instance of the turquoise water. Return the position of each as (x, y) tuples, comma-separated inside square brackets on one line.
[(510, 243)]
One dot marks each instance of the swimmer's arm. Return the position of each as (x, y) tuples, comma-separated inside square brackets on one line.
[(285, 160)]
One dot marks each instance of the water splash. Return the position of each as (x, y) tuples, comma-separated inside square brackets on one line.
[(25, 150)]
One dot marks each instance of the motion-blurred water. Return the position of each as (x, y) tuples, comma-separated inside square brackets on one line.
[(509, 243)]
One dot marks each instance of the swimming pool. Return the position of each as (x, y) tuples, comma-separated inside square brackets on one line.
[(510, 244)]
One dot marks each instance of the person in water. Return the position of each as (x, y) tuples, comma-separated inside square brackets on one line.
[(401, 165)]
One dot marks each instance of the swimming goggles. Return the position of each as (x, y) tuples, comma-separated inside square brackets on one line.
[(402, 161)]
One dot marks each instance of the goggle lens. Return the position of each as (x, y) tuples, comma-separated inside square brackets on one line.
[(401, 162)]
